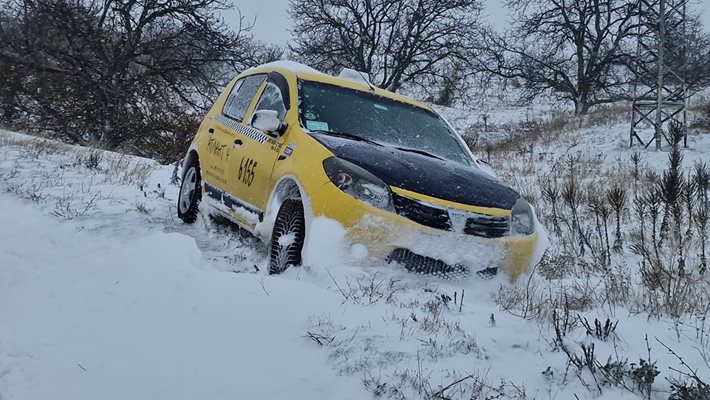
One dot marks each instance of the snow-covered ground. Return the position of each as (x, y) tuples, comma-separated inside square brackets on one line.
[(104, 293), (88, 315)]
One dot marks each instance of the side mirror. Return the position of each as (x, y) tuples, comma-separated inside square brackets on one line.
[(266, 120)]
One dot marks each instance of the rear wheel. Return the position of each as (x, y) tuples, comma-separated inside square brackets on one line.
[(287, 237), (190, 193)]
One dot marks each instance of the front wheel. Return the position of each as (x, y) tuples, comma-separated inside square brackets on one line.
[(287, 237), (190, 193)]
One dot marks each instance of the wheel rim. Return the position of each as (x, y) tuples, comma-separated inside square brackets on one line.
[(187, 191)]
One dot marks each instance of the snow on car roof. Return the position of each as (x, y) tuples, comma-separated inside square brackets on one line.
[(304, 71), (289, 65)]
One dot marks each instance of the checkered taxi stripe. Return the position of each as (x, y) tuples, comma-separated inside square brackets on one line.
[(244, 130)]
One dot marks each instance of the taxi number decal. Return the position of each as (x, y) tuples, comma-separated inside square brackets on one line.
[(246, 171)]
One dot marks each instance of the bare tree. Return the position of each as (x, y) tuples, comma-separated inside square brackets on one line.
[(452, 84), (118, 72), (577, 49), (695, 51), (397, 42)]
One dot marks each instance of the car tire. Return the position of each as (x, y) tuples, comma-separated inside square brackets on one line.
[(290, 220), (190, 193)]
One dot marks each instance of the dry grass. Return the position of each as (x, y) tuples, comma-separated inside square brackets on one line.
[(142, 208), (48, 186), (126, 170)]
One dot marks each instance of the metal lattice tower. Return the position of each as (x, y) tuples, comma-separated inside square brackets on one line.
[(660, 92)]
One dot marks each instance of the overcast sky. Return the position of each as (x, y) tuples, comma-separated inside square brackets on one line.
[(272, 22)]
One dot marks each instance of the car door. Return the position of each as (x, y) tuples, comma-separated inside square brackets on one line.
[(217, 144), (228, 137), (252, 162)]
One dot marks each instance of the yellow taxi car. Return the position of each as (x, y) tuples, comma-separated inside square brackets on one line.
[(285, 144)]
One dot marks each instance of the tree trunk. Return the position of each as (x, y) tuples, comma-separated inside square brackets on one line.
[(581, 103)]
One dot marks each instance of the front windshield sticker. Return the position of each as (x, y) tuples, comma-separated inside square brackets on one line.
[(316, 125), (380, 106)]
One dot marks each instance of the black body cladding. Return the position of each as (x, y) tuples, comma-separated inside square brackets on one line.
[(422, 174)]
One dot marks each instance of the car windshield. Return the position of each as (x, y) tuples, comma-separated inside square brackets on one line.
[(353, 113)]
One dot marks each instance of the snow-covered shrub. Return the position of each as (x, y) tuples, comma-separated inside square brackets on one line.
[(92, 160), (690, 389), (688, 385), (625, 236), (670, 238), (640, 235)]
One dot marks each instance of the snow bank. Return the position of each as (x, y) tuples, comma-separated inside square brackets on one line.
[(85, 316)]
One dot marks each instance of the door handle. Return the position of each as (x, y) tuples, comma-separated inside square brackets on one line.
[(238, 142), (210, 131)]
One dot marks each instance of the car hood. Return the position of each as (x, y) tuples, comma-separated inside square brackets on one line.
[(418, 173)]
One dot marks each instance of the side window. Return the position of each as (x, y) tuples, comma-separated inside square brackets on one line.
[(241, 96), (272, 99)]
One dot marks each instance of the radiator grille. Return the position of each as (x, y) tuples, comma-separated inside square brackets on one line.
[(486, 226), (421, 213)]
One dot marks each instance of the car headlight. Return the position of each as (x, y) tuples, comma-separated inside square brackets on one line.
[(521, 219), (358, 183)]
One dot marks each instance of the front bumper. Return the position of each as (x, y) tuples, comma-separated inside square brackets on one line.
[(385, 233)]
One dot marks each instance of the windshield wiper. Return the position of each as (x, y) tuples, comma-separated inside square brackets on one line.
[(422, 152), (357, 138), (346, 136)]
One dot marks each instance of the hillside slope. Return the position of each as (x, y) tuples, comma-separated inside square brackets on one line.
[(104, 293)]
